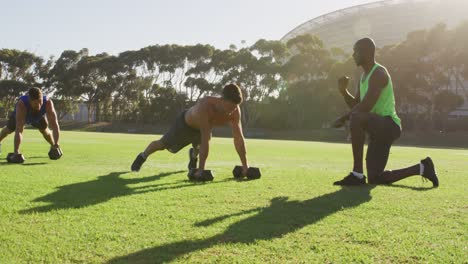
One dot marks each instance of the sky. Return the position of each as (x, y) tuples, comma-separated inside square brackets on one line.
[(48, 27)]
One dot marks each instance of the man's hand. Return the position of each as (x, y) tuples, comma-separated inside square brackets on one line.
[(55, 152), (343, 83), (340, 122)]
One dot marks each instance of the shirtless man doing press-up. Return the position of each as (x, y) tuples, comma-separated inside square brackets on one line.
[(194, 126)]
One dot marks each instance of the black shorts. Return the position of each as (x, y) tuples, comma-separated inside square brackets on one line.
[(41, 124), (180, 135), (382, 131)]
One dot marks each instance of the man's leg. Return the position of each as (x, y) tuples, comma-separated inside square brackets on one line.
[(358, 125), (174, 140), (154, 146), (378, 152), (4, 133), (8, 129), (376, 160), (425, 168)]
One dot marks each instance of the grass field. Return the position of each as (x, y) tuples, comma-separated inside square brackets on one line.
[(88, 208)]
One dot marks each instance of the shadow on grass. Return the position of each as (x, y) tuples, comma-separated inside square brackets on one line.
[(23, 164), (102, 189), (278, 219), (35, 163), (421, 189)]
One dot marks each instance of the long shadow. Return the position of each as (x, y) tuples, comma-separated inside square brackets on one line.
[(280, 218), (22, 164), (97, 191), (420, 189)]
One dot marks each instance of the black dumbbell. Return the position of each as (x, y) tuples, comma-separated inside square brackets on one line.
[(55, 153), (252, 173), (15, 158), (206, 175)]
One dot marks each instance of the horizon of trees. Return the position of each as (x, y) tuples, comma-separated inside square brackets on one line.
[(289, 85)]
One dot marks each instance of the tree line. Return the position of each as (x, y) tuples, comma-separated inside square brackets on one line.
[(288, 85)]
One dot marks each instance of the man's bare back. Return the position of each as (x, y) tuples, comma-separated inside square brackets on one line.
[(208, 109)]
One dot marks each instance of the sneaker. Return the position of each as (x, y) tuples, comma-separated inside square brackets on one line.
[(351, 180), (193, 161), (138, 162), (429, 171)]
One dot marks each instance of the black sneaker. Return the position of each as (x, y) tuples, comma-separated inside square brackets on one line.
[(139, 160), (193, 161), (351, 180), (429, 171)]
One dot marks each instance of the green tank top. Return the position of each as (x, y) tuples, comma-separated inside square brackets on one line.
[(385, 105)]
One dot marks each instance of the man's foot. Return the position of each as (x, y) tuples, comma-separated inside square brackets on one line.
[(139, 160), (429, 171), (351, 180), (193, 159)]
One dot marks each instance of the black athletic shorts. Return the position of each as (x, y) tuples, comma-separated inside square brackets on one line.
[(41, 124), (181, 135), (382, 131)]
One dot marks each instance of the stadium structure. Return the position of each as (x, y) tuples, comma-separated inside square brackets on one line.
[(387, 22)]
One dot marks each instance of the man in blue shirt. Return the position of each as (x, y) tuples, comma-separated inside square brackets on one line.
[(37, 110)]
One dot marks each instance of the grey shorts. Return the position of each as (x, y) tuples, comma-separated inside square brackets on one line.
[(180, 135)]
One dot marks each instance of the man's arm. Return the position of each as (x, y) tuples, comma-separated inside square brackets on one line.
[(377, 82), (350, 100), (239, 141), (205, 130), (52, 118), (20, 120)]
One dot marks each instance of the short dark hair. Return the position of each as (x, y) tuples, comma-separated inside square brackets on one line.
[(35, 93), (366, 43), (232, 93)]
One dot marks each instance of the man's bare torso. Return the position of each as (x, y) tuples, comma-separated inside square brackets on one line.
[(206, 108)]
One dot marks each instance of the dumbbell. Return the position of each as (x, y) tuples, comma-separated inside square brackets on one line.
[(253, 173), (15, 158), (55, 153), (206, 175)]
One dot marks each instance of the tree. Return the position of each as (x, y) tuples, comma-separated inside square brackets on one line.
[(307, 74), (10, 90), (445, 102)]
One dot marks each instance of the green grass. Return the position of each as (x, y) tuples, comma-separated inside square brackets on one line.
[(88, 208)]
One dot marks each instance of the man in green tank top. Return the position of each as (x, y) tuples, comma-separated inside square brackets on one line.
[(373, 113)]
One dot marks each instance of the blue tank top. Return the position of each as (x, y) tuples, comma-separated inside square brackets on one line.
[(32, 117)]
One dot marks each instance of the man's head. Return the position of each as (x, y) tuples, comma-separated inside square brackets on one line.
[(35, 98), (232, 97), (364, 51)]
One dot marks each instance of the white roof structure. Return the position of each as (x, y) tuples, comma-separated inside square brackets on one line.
[(387, 22)]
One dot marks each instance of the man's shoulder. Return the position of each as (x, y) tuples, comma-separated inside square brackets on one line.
[(203, 103), (380, 75)]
